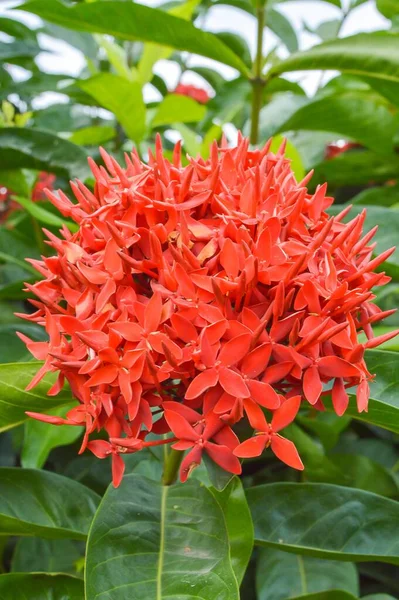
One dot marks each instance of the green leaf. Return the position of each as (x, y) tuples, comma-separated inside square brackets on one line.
[(214, 78), (16, 29), (281, 575), (237, 44), (179, 109), (378, 597), (238, 521), (383, 408), (40, 503), (122, 97), (82, 41), (282, 28), (375, 54), (388, 8), (40, 438), (380, 196), (133, 21), (42, 151), (43, 215), (331, 595), (93, 136), (364, 474), (14, 400), (18, 49), (12, 349), (354, 115), (45, 556), (159, 542), (325, 520), (359, 167), (39, 586)]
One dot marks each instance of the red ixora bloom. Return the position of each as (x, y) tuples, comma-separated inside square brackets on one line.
[(198, 94), (8, 205), (194, 297)]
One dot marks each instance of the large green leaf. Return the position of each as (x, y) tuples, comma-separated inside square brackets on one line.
[(122, 97), (379, 196), (375, 54), (15, 400), (353, 115), (281, 575), (16, 29), (358, 167), (40, 586), (330, 595), (150, 541), (18, 49), (325, 520), (238, 521), (176, 108), (38, 555), (40, 503), (11, 347), (40, 438), (282, 28), (133, 21), (384, 391), (35, 149)]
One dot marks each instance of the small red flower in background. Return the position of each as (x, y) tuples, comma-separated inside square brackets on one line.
[(333, 150), (8, 205), (196, 93), (193, 297)]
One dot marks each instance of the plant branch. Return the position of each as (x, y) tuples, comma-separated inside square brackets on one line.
[(257, 81)]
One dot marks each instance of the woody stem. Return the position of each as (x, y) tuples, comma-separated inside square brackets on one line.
[(257, 81), (171, 466)]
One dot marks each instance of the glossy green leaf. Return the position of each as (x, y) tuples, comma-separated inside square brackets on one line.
[(40, 438), (353, 115), (45, 504), (237, 44), (379, 196), (15, 400), (122, 97), (150, 541), (366, 474), (327, 521), (179, 109), (133, 21), (375, 54), (281, 575), (378, 597), (33, 554), (34, 149), (16, 29), (330, 595), (238, 521), (388, 8), (42, 214), (39, 586)]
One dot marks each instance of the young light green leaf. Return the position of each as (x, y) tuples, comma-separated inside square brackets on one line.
[(122, 97), (34, 502), (179, 109), (183, 553), (43, 215)]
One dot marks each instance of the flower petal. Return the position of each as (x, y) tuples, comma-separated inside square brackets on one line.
[(252, 447), (286, 451), (287, 412)]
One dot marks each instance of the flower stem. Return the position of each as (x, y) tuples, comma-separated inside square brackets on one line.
[(257, 81), (171, 466)]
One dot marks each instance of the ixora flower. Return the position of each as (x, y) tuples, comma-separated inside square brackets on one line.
[(194, 297), (196, 93)]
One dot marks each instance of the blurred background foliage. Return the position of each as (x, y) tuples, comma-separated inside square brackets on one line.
[(346, 128)]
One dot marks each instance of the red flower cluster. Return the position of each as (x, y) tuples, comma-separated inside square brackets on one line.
[(8, 205), (333, 150), (193, 92), (193, 297)]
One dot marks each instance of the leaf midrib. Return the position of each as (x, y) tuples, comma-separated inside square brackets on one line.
[(164, 494)]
